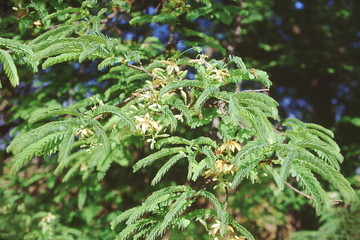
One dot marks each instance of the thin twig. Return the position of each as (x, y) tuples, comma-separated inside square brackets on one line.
[(257, 90), (109, 17), (140, 69), (171, 36), (298, 191), (233, 44), (125, 101), (159, 6), (307, 196), (236, 39), (170, 44), (227, 194)]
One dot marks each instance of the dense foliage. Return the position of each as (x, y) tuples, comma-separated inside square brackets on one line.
[(173, 138)]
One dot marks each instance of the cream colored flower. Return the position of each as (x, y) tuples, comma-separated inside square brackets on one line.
[(201, 61), (230, 144), (219, 75), (146, 123), (215, 228), (48, 218), (225, 167), (83, 167), (179, 117), (172, 67), (85, 132), (37, 23), (158, 72), (253, 71), (237, 238)]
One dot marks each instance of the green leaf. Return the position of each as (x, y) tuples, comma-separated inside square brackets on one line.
[(239, 63), (62, 12), (214, 201), (312, 186), (208, 3), (198, 12), (224, 16), (45, 146), (65, 149), (109, 62), (65, 57), (177, 103), (205, 95), (259, 76), (285, 169), (122, 4), (82, 197), (23, 141), (170, 116), (172, 140), (141, 19), (203, 141), (15, 46), (165, 18), (203, 40), (165, 168), (320, 128), (59, 32), (328, 173), (34, 117), (256, 147), (129, 230), (242, 230), (179, 84), (180, 204), (155, 156), (113, 110), (10, 68)]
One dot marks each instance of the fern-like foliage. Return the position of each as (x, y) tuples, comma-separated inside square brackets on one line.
[(337, 223), (80, 129), (150, 104), (156, 204), (190, 151), (21, 51), (9, 67), (165, 209)]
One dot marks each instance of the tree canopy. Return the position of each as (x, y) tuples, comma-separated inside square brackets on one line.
[(152, 119)]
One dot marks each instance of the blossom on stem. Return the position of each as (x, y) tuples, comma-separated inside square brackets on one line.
[(225, 167), (85, 132), (232, 145), (146, 123)]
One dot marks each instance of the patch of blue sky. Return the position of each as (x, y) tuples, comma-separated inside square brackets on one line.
[(356, 44), (220, 36), (204, 25), (181, 46), (343, 90), (161, 31), (295, 107), (76, 65), (150, 10), (122, 20), (339, 112), (299, 5), (334, 101), (330, 2), (129, 35)]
